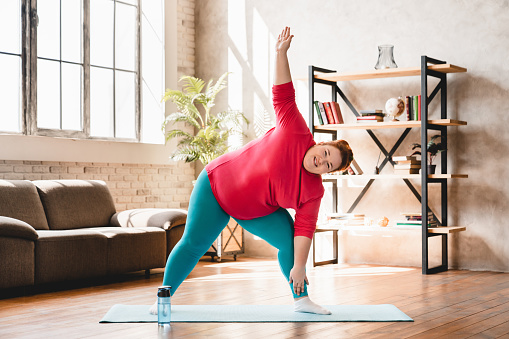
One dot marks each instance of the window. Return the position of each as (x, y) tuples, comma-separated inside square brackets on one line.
[(83, 69), (11, 66), (60, 65), (113, 68)]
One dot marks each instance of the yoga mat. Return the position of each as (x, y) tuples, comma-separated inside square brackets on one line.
[(254, 314)]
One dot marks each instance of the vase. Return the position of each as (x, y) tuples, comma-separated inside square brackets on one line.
[(431, 169), (385, 57)]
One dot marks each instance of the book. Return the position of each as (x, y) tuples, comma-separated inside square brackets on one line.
[(413, 162), (407, 223), (407, 107), (419, 107), (371, 118), (370, 111), (318, 104), (345, 216), (416, 214), (415, 105), (406, 166), (407, 171), (373, 114), (404, 158), (336, 111), (328, 113)]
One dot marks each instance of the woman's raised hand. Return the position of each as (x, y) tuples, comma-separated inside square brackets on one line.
[(284, 40)]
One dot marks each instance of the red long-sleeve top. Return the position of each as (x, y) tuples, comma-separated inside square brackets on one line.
[(268, 173)]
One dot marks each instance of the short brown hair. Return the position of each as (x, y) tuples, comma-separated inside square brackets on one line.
[(344, 150)]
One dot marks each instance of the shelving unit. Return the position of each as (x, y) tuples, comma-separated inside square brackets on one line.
[(437, 69)]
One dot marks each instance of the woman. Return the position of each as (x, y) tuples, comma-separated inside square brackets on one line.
[(256, 184)]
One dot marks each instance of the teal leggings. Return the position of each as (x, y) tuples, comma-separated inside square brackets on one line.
[(205, 221)]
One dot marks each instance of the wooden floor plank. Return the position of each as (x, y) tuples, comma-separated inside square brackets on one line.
[(451, 304), (496, 331), (478, 326)]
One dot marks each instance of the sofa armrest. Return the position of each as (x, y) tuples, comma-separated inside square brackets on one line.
[(14, 228), (165, 218)]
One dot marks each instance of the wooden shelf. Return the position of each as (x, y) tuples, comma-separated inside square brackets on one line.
[(389, 124), (435, 230), (447, 229), (388, 73), (394, 176)]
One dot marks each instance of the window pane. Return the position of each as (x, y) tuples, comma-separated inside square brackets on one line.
[(152, 60), (132, 2), (153, 11), (125, 105), (101, 102), (10, 21), (72, 23), (48, 30), (71, 96), (10, 93), (152, 118), (125, 36), (101, 33), (48, 94)]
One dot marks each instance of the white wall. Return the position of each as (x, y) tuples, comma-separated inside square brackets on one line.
[(238, 35)]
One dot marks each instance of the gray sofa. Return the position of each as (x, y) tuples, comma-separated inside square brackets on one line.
[(57, 230)]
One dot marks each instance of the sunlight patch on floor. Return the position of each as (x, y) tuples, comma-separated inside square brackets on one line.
[(244, 264), (267, 270)]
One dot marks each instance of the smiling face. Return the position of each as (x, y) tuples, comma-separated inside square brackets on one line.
[(321, 159)]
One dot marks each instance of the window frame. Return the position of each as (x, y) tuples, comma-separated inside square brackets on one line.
[(29, 74)]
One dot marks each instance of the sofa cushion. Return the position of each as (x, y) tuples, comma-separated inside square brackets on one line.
[(19, 199), (17, 262), (71, 204), (15, 228), (155, 217), (70, 254), (134, 248)]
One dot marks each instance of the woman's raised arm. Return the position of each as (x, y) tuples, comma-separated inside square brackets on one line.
[(282, 74)]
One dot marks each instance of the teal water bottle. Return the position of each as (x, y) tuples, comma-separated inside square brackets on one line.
[(164, 306)]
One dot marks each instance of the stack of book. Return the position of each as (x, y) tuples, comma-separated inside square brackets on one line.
[(349, 219), (415, 219), (406, 165), (328, 113), (371, 115), (413, 107)]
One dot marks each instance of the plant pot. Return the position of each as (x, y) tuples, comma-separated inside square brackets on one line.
[(431, 169)]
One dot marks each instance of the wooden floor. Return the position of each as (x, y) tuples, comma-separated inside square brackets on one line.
[(453, 304)]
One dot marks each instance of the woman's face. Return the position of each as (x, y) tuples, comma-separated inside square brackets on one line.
[(321, 159)]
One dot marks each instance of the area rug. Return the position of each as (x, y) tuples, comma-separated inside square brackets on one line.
[(255, 314)]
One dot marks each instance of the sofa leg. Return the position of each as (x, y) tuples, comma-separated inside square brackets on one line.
[(147, 273)]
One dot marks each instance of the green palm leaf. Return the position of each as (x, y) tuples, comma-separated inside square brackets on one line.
[(181, 117), (192, 85), (175, 133), (188, 154), (218, 87)]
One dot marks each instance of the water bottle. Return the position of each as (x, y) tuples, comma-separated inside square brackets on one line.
[(164, 307)]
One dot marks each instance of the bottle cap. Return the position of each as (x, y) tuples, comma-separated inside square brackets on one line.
[(164, 291)]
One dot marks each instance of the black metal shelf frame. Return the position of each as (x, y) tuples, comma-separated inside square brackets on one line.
[(425, 126)]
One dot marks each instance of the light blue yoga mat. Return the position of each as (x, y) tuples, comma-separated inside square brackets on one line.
[(254, 313)]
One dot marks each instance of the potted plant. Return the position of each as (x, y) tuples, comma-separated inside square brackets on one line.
[(433, 148), (212, 131)]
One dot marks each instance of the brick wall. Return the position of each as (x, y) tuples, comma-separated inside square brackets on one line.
[(185, 37), (131, 185)]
